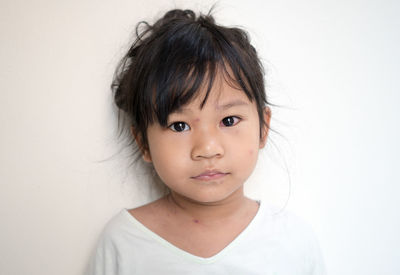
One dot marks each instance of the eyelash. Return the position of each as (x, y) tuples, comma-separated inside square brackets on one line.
[(235, 121), (186, 127), (171, 126)]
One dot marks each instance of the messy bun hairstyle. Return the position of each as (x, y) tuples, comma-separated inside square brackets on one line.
[(172, 59)]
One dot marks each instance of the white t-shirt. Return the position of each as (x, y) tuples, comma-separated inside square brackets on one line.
[(272, 244)]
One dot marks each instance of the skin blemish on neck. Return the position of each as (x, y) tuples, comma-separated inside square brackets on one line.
[(196, 221)]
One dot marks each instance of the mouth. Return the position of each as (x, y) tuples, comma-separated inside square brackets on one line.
[(210, 175)]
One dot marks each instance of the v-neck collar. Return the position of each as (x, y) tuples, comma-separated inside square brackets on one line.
[(190, 256)]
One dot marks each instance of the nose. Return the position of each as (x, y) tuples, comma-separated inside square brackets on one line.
[(207, 144)]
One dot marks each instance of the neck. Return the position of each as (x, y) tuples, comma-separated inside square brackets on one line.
[(210, 213)]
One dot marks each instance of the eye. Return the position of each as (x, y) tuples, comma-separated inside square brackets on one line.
[(230, 121), (179, 126)]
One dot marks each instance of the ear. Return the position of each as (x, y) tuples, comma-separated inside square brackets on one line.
[(145, 152), (265, 129)]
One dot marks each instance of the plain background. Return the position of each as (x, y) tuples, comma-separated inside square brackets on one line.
[(332, 67)]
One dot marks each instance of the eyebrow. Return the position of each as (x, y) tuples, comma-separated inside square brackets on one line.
[(231, 104), (225, 106)]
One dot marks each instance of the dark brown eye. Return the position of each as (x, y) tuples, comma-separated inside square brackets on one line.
[(230, 121), (179, 126)]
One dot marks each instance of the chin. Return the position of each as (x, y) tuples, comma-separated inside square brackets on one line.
[(212, 196)]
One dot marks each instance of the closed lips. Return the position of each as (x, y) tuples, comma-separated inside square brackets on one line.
[(209, 175)]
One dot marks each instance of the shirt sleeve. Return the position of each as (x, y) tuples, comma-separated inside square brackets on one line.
[(317, 264), (104, 259), (306, 242)]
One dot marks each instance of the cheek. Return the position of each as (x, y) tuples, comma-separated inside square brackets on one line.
[(248, 139), (244, 147), (167, 157)]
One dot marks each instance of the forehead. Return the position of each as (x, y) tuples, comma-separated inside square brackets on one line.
[(224, 94)]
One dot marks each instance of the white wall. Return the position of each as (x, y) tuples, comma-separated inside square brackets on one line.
[(332, 65)]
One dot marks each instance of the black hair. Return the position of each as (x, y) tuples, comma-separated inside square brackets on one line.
[(172, 59)]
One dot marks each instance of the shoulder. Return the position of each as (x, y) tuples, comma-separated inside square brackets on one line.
[(285, 221), (116, 228), (122, 240), (104, 259), (294, 234), (129, 223)]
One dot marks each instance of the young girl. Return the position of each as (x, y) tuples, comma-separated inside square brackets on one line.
[(194, 93)]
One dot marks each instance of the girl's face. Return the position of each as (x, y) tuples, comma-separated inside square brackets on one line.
[(206, 154)]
